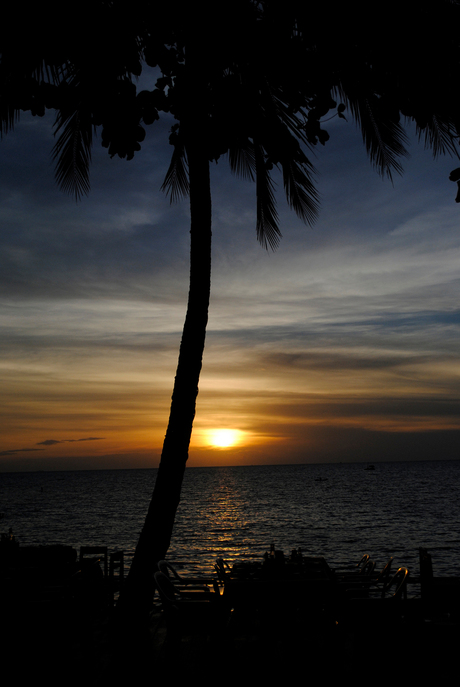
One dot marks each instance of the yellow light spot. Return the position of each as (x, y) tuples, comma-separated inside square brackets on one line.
[(224, 438)]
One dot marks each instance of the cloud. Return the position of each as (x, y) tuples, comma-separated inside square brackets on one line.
[(51, 442), (47, 442), (13, 451)]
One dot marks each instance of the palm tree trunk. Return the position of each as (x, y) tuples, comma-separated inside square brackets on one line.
[(156, 534)]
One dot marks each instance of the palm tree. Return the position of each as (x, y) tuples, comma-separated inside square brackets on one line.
[(260, 100), (223, 106)]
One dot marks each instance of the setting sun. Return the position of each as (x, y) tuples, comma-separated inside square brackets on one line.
[(224, 438)]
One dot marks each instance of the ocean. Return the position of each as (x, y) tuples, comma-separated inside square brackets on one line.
[(339, 511)]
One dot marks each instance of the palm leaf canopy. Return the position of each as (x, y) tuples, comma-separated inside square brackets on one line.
[(293, 65), (262, 78)]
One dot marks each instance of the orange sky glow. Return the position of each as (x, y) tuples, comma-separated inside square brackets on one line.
[(340, 346)]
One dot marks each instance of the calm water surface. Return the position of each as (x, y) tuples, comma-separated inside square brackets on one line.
[(339, 511)]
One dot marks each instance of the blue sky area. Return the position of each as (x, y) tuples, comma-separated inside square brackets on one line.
[(341, 345)]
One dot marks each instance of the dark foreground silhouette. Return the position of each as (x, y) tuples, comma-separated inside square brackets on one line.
[(274, 619)]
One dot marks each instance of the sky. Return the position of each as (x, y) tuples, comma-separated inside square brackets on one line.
[(342, 345)]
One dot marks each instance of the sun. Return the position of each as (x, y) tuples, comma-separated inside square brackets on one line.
[(224, 438)]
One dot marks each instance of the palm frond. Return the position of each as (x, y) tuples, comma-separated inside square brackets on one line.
[(242, 161), (11, 96), (45, 72), (439, 136), (9, 116), (268, 233), (176, 183), (384, 138), (300, 190), (285, 133), (72, 152)]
